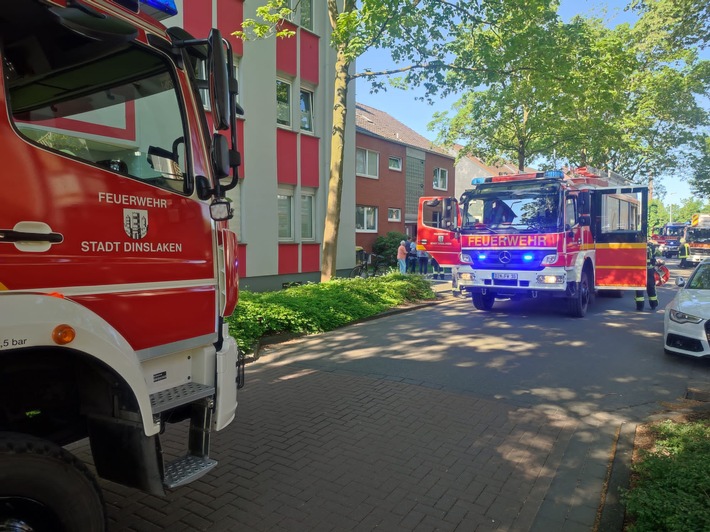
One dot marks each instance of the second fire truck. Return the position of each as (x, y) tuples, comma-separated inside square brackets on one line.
[(540, 235)]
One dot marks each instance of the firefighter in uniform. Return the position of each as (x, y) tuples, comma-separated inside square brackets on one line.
[(683, 252), (650, 280)]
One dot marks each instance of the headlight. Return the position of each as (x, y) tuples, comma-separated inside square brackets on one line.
[(681, 317), (466, 276), (465, 258), (549, 259), (550, 279)]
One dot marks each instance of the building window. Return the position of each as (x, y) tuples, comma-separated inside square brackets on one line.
[(395, 163), (366, 219), (285, 209), (283, 103), (306, 110), (307, 217), (441, 178), (367, 163), (307, 14), (394, 215)]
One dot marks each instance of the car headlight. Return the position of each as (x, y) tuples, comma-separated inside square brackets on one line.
[(465, 258), (681, 317)]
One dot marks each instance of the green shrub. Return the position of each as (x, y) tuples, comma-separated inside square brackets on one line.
[(313, 308), (387, 246), (672, 492)]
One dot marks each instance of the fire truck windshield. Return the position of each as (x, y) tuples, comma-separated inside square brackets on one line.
[(517, 207), (113, 104), (701, 236)]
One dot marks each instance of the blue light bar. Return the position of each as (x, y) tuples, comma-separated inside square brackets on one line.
[(167, 7), (559, 174), (478, 180)]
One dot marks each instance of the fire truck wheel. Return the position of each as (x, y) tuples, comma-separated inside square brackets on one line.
[(579, 302), (483, 302), (45, 488)]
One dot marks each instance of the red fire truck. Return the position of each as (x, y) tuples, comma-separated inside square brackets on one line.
[(540, 235), (667, 239), (117, 267)]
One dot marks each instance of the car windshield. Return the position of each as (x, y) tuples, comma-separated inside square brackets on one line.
[(700, 279)]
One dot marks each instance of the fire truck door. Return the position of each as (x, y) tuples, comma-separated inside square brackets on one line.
[(437, 221), (619, 224)]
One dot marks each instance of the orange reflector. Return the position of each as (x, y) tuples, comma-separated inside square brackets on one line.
[(63, 334)]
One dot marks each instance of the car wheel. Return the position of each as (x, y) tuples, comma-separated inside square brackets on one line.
[(43, 487), (579, 302), (482, 302)]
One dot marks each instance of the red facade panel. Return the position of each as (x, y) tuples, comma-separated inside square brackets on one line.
[(242, 260), (309, 57), (286, 156), (230, 15), (197, 18), (310, 257), (288, 258), (286, 53), (310, 167)]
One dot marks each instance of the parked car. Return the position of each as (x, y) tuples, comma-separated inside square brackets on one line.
[(686, 324)]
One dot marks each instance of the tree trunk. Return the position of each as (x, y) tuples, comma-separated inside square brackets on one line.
[(335, 180)]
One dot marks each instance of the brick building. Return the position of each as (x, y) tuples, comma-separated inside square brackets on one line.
[(395, 166)]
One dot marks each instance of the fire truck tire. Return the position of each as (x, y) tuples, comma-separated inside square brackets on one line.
[(579, 302), (45, 488), (483, 302)]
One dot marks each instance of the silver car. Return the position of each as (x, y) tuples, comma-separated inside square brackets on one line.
[(686, 324)]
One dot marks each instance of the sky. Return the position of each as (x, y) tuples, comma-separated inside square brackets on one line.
[(403, 106)]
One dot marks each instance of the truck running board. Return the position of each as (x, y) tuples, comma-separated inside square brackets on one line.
[(186, 469), (178, 396)]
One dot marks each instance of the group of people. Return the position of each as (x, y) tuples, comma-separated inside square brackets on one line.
[(409, 259)]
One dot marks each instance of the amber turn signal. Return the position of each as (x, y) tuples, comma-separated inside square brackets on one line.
[(63, 334)]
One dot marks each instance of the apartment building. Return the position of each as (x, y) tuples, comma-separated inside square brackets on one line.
[(395, 166), (286, 91)]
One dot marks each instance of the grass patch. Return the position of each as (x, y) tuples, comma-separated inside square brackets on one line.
[(670, 485), (320, 307)]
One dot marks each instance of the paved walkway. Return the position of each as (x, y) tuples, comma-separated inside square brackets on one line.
[(316, 450)]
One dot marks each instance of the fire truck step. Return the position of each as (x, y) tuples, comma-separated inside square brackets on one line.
[(178, 396), (186, 469)]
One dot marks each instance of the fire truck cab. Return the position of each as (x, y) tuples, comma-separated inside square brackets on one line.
[(539, 235), (117, 266), (668, 238), (697, 236)]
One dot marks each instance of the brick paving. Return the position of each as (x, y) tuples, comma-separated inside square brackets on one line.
[(330, 450), (321, 450)]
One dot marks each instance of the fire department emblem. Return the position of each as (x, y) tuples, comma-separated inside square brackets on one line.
[(135, 223)]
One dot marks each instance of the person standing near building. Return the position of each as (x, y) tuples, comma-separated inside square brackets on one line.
[(683, 252), (411, 256), (423, 260), (402, 257), (650, 281)]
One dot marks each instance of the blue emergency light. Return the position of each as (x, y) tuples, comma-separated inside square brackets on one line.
[(527, 257), (482, 256), (559, 174), (478, 180), (164, 6)]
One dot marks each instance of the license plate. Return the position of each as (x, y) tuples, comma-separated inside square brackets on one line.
[(506, 276)]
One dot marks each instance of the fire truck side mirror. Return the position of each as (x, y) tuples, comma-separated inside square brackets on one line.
[(583, 202), (221, 210), (219, 81), (585, 220)]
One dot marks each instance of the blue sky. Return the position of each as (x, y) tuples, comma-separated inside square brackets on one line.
[(403, 106)]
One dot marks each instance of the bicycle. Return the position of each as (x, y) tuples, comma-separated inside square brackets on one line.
[(369, 265)]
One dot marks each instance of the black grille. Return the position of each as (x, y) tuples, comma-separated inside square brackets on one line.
[(684, 343), (508, 259)]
